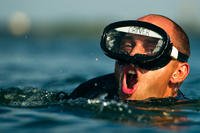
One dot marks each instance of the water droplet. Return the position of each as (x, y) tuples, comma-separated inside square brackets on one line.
[(129, 111), (120, 109), (105, 103), (95, 84)]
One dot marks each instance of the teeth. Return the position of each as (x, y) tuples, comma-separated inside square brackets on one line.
[(131, 72)]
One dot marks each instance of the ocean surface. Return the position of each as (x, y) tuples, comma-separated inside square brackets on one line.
[(33, 71)]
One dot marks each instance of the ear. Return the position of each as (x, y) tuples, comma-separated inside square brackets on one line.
[(180, 73)]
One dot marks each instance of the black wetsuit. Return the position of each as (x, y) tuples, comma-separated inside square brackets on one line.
[(103, 86), (97, 87)]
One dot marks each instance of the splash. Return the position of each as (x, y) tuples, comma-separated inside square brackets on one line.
[(26, 97), (167, 113)]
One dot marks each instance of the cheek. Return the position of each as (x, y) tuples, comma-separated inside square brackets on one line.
[(156, 79)]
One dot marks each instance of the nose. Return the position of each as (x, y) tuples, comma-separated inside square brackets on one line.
[(138, 48)]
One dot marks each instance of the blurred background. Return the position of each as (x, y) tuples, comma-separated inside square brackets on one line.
[(43, 42), (67, 17)]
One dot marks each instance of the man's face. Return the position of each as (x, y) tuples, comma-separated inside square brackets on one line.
[(138, 84)]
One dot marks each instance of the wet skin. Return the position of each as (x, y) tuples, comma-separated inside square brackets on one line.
[(147, 82), (138, 84)]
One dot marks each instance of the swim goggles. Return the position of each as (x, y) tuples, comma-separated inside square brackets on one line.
[(140, 43)]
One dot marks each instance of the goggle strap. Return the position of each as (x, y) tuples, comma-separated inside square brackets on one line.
[(182, 57), (175, 54)]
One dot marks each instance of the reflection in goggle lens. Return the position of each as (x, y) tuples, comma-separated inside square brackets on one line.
[(125, 43)]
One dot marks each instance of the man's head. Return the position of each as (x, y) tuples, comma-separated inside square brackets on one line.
[(159, 83)]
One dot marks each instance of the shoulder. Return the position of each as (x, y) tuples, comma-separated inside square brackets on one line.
[(93, 88)]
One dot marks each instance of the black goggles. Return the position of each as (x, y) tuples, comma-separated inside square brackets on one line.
[(140, 43)]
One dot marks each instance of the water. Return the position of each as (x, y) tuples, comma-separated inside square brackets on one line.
[(35, 70)]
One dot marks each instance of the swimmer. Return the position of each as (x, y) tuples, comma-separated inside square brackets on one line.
[(151, 56)]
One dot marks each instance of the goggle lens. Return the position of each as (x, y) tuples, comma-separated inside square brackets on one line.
[(133, 40)]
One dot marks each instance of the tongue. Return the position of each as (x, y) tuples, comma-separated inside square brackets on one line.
[(129, 83)]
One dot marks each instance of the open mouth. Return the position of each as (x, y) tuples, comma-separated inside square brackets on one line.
[(129, 81)]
